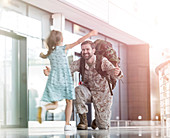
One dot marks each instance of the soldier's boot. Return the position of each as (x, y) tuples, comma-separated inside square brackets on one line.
[(93, 125), (83, 122)]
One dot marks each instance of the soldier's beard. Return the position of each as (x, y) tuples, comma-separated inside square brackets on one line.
[(87, 57)]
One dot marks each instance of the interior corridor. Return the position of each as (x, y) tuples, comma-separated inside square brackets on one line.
[(113, 132)]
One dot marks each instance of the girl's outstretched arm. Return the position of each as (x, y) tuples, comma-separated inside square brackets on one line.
[(92, 33)]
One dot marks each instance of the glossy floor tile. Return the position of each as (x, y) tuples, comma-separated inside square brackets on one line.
[(113, 132)]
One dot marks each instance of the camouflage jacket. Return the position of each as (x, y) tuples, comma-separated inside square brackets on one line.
[(92, 79)]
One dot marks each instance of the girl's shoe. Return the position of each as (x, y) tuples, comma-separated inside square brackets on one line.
[(68, 128), (41, 114)]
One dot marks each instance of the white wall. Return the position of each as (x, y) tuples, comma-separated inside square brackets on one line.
[(119, 14)]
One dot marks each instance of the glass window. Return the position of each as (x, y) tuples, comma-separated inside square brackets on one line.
[(8, 20), (71, 38), (42, 16), (36, 78), (99, 36), (79, 30), (35, 26), (10, 86), (68, 39), (20, 23), (68, 26)]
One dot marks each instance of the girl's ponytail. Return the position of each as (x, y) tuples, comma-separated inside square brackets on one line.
[(52, 41)]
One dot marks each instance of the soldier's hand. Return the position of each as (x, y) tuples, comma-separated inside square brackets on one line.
[(116, 70), (46, 71)]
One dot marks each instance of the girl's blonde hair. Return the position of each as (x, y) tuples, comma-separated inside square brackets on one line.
[(53, 40)]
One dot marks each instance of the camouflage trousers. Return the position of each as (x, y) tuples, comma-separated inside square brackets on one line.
[(102, 102)]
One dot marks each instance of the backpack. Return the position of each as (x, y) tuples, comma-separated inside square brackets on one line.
[(103, 49)]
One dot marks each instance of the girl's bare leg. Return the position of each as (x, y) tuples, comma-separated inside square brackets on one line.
[(42, 110), (68, 111), (51, 106)]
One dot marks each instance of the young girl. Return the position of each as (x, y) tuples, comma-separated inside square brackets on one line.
[(59, 84)]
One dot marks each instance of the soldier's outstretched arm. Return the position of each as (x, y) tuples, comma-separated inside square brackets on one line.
[(113, 71)]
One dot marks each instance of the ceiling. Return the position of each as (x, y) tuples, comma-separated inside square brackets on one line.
[(81, 17)]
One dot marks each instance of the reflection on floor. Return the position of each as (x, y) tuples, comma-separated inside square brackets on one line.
[(113, 132)]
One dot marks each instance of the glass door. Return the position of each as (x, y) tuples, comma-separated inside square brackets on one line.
[(13, 80)]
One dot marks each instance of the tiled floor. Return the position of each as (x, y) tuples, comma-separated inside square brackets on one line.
[(113, 132)]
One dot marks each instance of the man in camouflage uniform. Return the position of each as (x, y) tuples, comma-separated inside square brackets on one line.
[(94, 89)]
